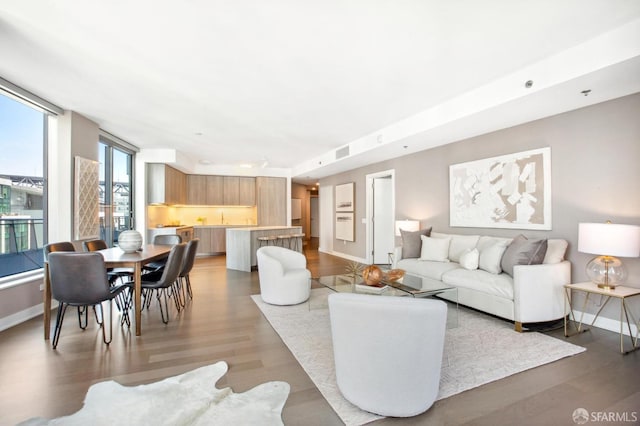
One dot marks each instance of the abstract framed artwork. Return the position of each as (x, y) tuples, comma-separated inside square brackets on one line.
[(345, 226), (86, 207), (345, 208), (510, 191), (344, 197)]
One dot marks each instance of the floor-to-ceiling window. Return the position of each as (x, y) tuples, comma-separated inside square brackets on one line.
[(116, 195), (23, 136)]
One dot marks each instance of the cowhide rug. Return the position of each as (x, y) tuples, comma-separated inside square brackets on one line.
[(188, 399)]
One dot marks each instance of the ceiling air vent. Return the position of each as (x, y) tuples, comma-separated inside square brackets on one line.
[(342, 152)]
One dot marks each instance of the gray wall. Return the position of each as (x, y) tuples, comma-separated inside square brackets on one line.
[(595, 155)]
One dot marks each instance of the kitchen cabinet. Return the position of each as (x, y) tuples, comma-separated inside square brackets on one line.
[(231, 190), (186, 233), (204, 190), (165, 185), (212, 240), (215, 191), (247, 191), (271, 201), (208, 190), (197, 190), (239, 191)]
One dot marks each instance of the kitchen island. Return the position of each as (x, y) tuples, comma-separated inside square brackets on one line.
[(242, 244)]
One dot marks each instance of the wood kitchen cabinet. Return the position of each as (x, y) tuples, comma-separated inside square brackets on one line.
[(165, 185), (209, 190), (197, 190), (231, 190), (247, 191), (215, 191), (271, 201), (212, 240), (204, 190)]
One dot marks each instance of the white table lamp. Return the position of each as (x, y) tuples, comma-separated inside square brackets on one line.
[(608, 240), (407, 225)]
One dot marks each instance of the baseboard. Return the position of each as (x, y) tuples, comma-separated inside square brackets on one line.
[(605, 323), (24, 315), (343, 255)]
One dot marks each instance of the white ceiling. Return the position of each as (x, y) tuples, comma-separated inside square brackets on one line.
[(288, 82)]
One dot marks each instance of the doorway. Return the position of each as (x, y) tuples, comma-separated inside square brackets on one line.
[(380, 216), (314, 217)]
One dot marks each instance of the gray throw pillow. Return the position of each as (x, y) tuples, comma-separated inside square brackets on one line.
[(411, 242), (523, 251)]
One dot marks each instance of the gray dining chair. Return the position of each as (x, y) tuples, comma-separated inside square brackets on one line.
[(166, 285), (164, 240), (80, 279), (67, 246), (114, 274), (187, 265)]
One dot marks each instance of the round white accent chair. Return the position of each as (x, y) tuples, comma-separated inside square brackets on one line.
[(388, 351), (284, 277)]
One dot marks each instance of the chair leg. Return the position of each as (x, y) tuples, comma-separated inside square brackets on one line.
[(99, 318), (163, 292), (128, 302), (104, 326), (188, 281), (177, 291), (62, 307), (82, 310)]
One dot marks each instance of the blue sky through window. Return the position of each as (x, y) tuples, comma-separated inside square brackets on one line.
[(21, 139)]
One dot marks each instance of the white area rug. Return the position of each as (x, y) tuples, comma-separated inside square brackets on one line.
[(480, 350), (187, 399)]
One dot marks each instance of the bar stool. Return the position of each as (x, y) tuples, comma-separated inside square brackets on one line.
[(296, 242), (267, 240), (284, 239)]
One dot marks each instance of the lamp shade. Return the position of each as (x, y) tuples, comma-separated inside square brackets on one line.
[(610, 239), (407, 225)]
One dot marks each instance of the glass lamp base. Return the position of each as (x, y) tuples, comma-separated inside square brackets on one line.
[(606, 271)]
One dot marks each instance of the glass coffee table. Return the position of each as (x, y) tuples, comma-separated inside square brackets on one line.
[(408, 286)]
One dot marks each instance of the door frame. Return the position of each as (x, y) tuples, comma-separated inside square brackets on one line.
[(369, 207)]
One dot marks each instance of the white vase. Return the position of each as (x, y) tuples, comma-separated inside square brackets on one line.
[(130, 241)]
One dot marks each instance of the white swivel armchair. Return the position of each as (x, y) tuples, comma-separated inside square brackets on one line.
[(284, 277), (388, 351)]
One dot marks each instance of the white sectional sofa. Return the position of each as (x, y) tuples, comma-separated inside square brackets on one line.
[(527, 293)]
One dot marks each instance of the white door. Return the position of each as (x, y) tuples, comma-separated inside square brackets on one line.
[(383, 232)]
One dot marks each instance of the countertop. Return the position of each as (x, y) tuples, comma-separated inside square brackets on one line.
[(266, 228), (221, 226)]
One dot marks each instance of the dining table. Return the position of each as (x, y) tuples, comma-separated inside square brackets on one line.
[(115, 257)]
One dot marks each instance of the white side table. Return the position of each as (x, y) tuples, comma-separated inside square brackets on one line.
[(620, 292)]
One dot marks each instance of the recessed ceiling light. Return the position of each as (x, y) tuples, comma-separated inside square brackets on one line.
[(205, 162), (198, 133), (246, 166)]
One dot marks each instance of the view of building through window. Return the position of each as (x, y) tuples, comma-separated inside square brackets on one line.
[(115, 191), (22, 136)]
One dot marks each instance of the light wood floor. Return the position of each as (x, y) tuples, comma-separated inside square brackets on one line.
[(223, 323)]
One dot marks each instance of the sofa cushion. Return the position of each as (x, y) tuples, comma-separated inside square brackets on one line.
[(459, 243), (523, 251), (427, 268), (435, 249), (411, 243), (469, 259), (556, 249), (491, 250), (500, 285)]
